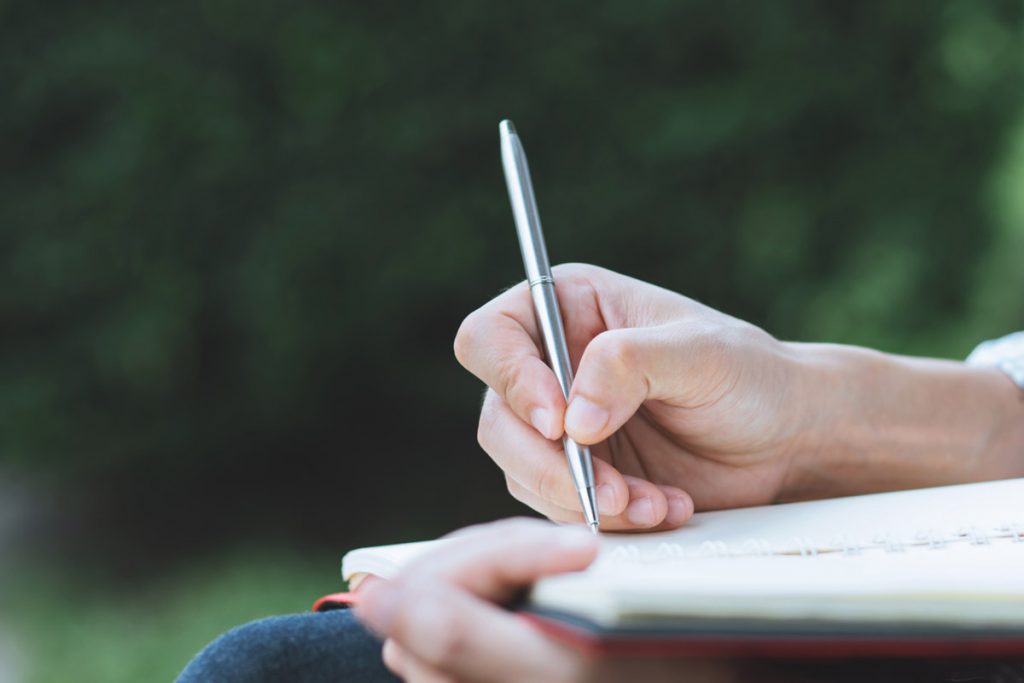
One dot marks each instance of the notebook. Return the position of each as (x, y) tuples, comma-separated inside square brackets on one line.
[(936, 571)]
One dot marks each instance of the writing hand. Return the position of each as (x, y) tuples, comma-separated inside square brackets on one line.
[(687, 407), (681, 403)]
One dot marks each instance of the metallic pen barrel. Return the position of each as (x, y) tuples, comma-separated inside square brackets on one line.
[(545, 303), (549, 319)]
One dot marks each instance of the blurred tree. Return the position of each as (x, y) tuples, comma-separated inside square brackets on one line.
[(238, 237)]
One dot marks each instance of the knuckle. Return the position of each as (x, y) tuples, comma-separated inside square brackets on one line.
[(549, 484), (488, 422), (392, 656), (467, 337), (484, 430), (514, 489), (510, 380), (615, 352), (517, 527), (574, 269), (574, 273), (523, 534)]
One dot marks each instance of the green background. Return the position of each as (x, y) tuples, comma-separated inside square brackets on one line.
[(236, 240)]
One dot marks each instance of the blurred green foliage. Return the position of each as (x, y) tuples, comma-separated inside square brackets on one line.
[(238, 238), (85, 628)]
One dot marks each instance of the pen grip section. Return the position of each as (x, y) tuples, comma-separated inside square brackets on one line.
[(552, 331)]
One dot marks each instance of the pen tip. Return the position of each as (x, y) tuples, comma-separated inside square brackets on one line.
[(506, 127), (593, 528)]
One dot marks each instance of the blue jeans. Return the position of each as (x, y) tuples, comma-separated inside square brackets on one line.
[(329, 647)]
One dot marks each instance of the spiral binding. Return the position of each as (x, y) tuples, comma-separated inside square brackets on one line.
[(805, 546)]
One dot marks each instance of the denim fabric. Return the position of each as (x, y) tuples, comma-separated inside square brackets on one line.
[(330, 647)]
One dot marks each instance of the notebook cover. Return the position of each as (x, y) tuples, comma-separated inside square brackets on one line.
[(781, 640), (789, 639)]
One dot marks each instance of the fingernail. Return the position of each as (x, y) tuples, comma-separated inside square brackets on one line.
[(605, 499), (378, 604), (641, 512), (585, 417), (678, 510), (540, 418)]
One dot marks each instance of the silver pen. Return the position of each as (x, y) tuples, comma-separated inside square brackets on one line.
[(545, 303)]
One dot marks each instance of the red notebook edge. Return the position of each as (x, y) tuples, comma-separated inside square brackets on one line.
[(754, 646), (333, 601)]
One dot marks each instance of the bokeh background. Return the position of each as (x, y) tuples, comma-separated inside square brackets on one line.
[(237, 239)]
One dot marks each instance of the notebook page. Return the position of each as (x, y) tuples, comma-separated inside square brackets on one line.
[(966, 513), (384, 561), (886, 522), (959, 584)]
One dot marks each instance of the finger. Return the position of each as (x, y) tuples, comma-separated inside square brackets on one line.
[(494, 563), (512, 554), (539, 464), (419, 672), (498, 343), (680, 506), (361, 581), (427, 610), (515, 554), (637, 517), (409, 668), (446, 632), (621, 369), (485, 528), (594, 299), (394, 657)]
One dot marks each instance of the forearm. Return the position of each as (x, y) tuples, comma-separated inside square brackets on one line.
[(881, 422)]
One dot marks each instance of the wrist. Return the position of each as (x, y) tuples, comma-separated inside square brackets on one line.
[(874, 421)]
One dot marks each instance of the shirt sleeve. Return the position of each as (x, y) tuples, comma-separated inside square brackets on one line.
[(1005, 353)]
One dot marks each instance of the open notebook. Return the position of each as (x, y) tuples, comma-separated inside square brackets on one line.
[(930, 571)]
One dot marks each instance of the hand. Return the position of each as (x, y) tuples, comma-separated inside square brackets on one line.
[(441, 622), (681, 403), (688, 407)]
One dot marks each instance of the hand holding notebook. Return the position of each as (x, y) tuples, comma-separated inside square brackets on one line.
[(440, 625), (916, 573)]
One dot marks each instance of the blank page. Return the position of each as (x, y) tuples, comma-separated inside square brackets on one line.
[(938, 516)]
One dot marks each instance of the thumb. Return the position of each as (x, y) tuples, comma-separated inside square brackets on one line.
[(619, 370)]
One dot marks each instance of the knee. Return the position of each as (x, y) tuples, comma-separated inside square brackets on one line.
[(251, 653), (312, 648)]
